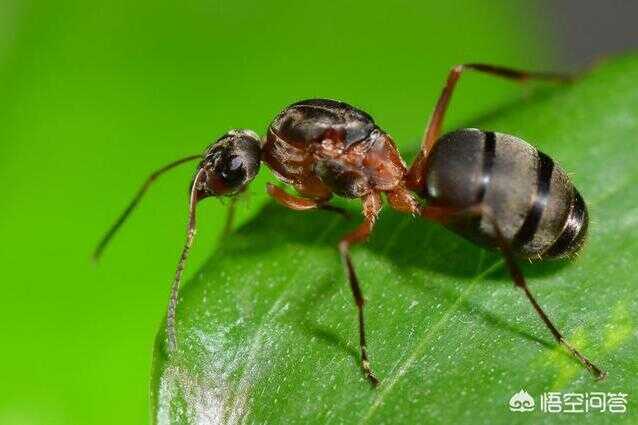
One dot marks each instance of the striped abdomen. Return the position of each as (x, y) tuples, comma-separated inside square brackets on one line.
[(537, 207)]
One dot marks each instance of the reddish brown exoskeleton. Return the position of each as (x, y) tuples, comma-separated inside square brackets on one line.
[(491, 188)]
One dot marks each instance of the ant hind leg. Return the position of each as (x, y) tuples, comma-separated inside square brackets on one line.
[(445, 215), (414, 178), (519, 281)]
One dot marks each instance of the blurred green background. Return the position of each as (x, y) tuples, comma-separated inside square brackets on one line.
[(95, 95)]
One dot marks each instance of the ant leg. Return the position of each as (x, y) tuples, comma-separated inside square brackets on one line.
[(415, 175), (371, 208), (230, 217), (302, 204), (519, 281), (444, 215), (403, 201), (341, 211)]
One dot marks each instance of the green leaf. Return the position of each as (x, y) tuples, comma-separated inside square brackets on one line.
[(267, 328)]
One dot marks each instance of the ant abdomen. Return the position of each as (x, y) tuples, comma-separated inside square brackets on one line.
[(539, 211)]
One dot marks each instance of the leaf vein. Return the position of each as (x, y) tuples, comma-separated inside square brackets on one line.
[(427, 337)]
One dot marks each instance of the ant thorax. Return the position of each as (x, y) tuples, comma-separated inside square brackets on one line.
[(331, 147)]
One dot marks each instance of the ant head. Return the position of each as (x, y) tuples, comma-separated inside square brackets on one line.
[(229, 164), (225, 168)]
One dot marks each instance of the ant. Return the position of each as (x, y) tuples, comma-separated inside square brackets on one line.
[(494, 189)]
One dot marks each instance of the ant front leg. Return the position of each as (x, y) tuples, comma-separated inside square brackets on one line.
[(302, 204), (371, 208), (230, 217), (446, 215), (414, 178)]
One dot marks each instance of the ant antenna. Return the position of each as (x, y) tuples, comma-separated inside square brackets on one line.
[(190, 235), (109, 235)]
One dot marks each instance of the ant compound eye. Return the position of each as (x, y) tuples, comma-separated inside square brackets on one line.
[(233, 172)]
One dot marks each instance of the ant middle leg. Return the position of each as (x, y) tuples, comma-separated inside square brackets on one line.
[(371, 208), (414, 178), (302, 204)]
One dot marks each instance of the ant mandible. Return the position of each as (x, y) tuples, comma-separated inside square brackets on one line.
[(491, 188)]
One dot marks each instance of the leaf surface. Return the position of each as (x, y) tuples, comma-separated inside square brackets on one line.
[(268, 330)]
